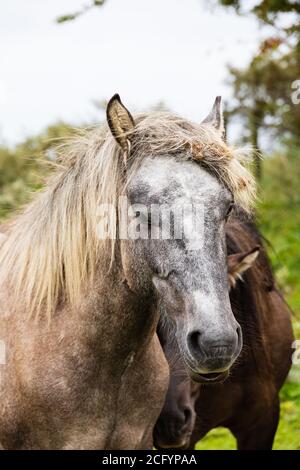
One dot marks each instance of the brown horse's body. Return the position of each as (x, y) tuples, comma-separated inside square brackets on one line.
[(247, 402)]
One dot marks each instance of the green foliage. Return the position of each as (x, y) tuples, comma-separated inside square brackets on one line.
[(269, 11), (262, 90), (23, 169), (85, 9), (279, 219), (64, 18)]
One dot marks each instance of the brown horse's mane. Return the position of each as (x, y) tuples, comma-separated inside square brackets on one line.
[(52, 248), (250, 297)]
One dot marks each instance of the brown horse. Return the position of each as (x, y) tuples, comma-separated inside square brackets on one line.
[(247, 402), (87, 377)]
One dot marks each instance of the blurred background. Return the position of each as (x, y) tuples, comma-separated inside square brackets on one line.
[(62, 60)]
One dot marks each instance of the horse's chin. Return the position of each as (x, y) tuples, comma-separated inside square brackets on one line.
[(181, 444), (210, 378)]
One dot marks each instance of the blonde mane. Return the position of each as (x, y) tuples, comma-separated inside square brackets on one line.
[(52, 248)]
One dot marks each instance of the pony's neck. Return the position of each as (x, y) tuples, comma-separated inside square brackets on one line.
[(125, 321)]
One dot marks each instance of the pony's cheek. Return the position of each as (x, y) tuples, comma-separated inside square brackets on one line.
[(135, 268), (162, 287), (168, 298)]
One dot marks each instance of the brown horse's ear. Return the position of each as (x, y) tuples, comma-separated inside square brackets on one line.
[(239, 263), (215, 117), (120, 122)]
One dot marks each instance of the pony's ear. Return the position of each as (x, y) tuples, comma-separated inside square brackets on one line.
[(239, 263), (215, 117), (120, 122)]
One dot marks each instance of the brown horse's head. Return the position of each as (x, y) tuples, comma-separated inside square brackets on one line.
[(181, 181), (177, 419)]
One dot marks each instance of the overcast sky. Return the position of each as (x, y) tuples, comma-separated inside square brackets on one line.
[(146, 50)]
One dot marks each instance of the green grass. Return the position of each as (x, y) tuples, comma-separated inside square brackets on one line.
[(217, 439)]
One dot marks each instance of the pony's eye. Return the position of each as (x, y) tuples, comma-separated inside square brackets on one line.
[(145, 219), (164, 274), (231, 206)]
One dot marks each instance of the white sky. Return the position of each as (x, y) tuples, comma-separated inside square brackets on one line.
[(146, 50)]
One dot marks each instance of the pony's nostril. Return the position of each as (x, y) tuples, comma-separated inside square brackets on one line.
[(193, 341), (187, 415), (240, 336)]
